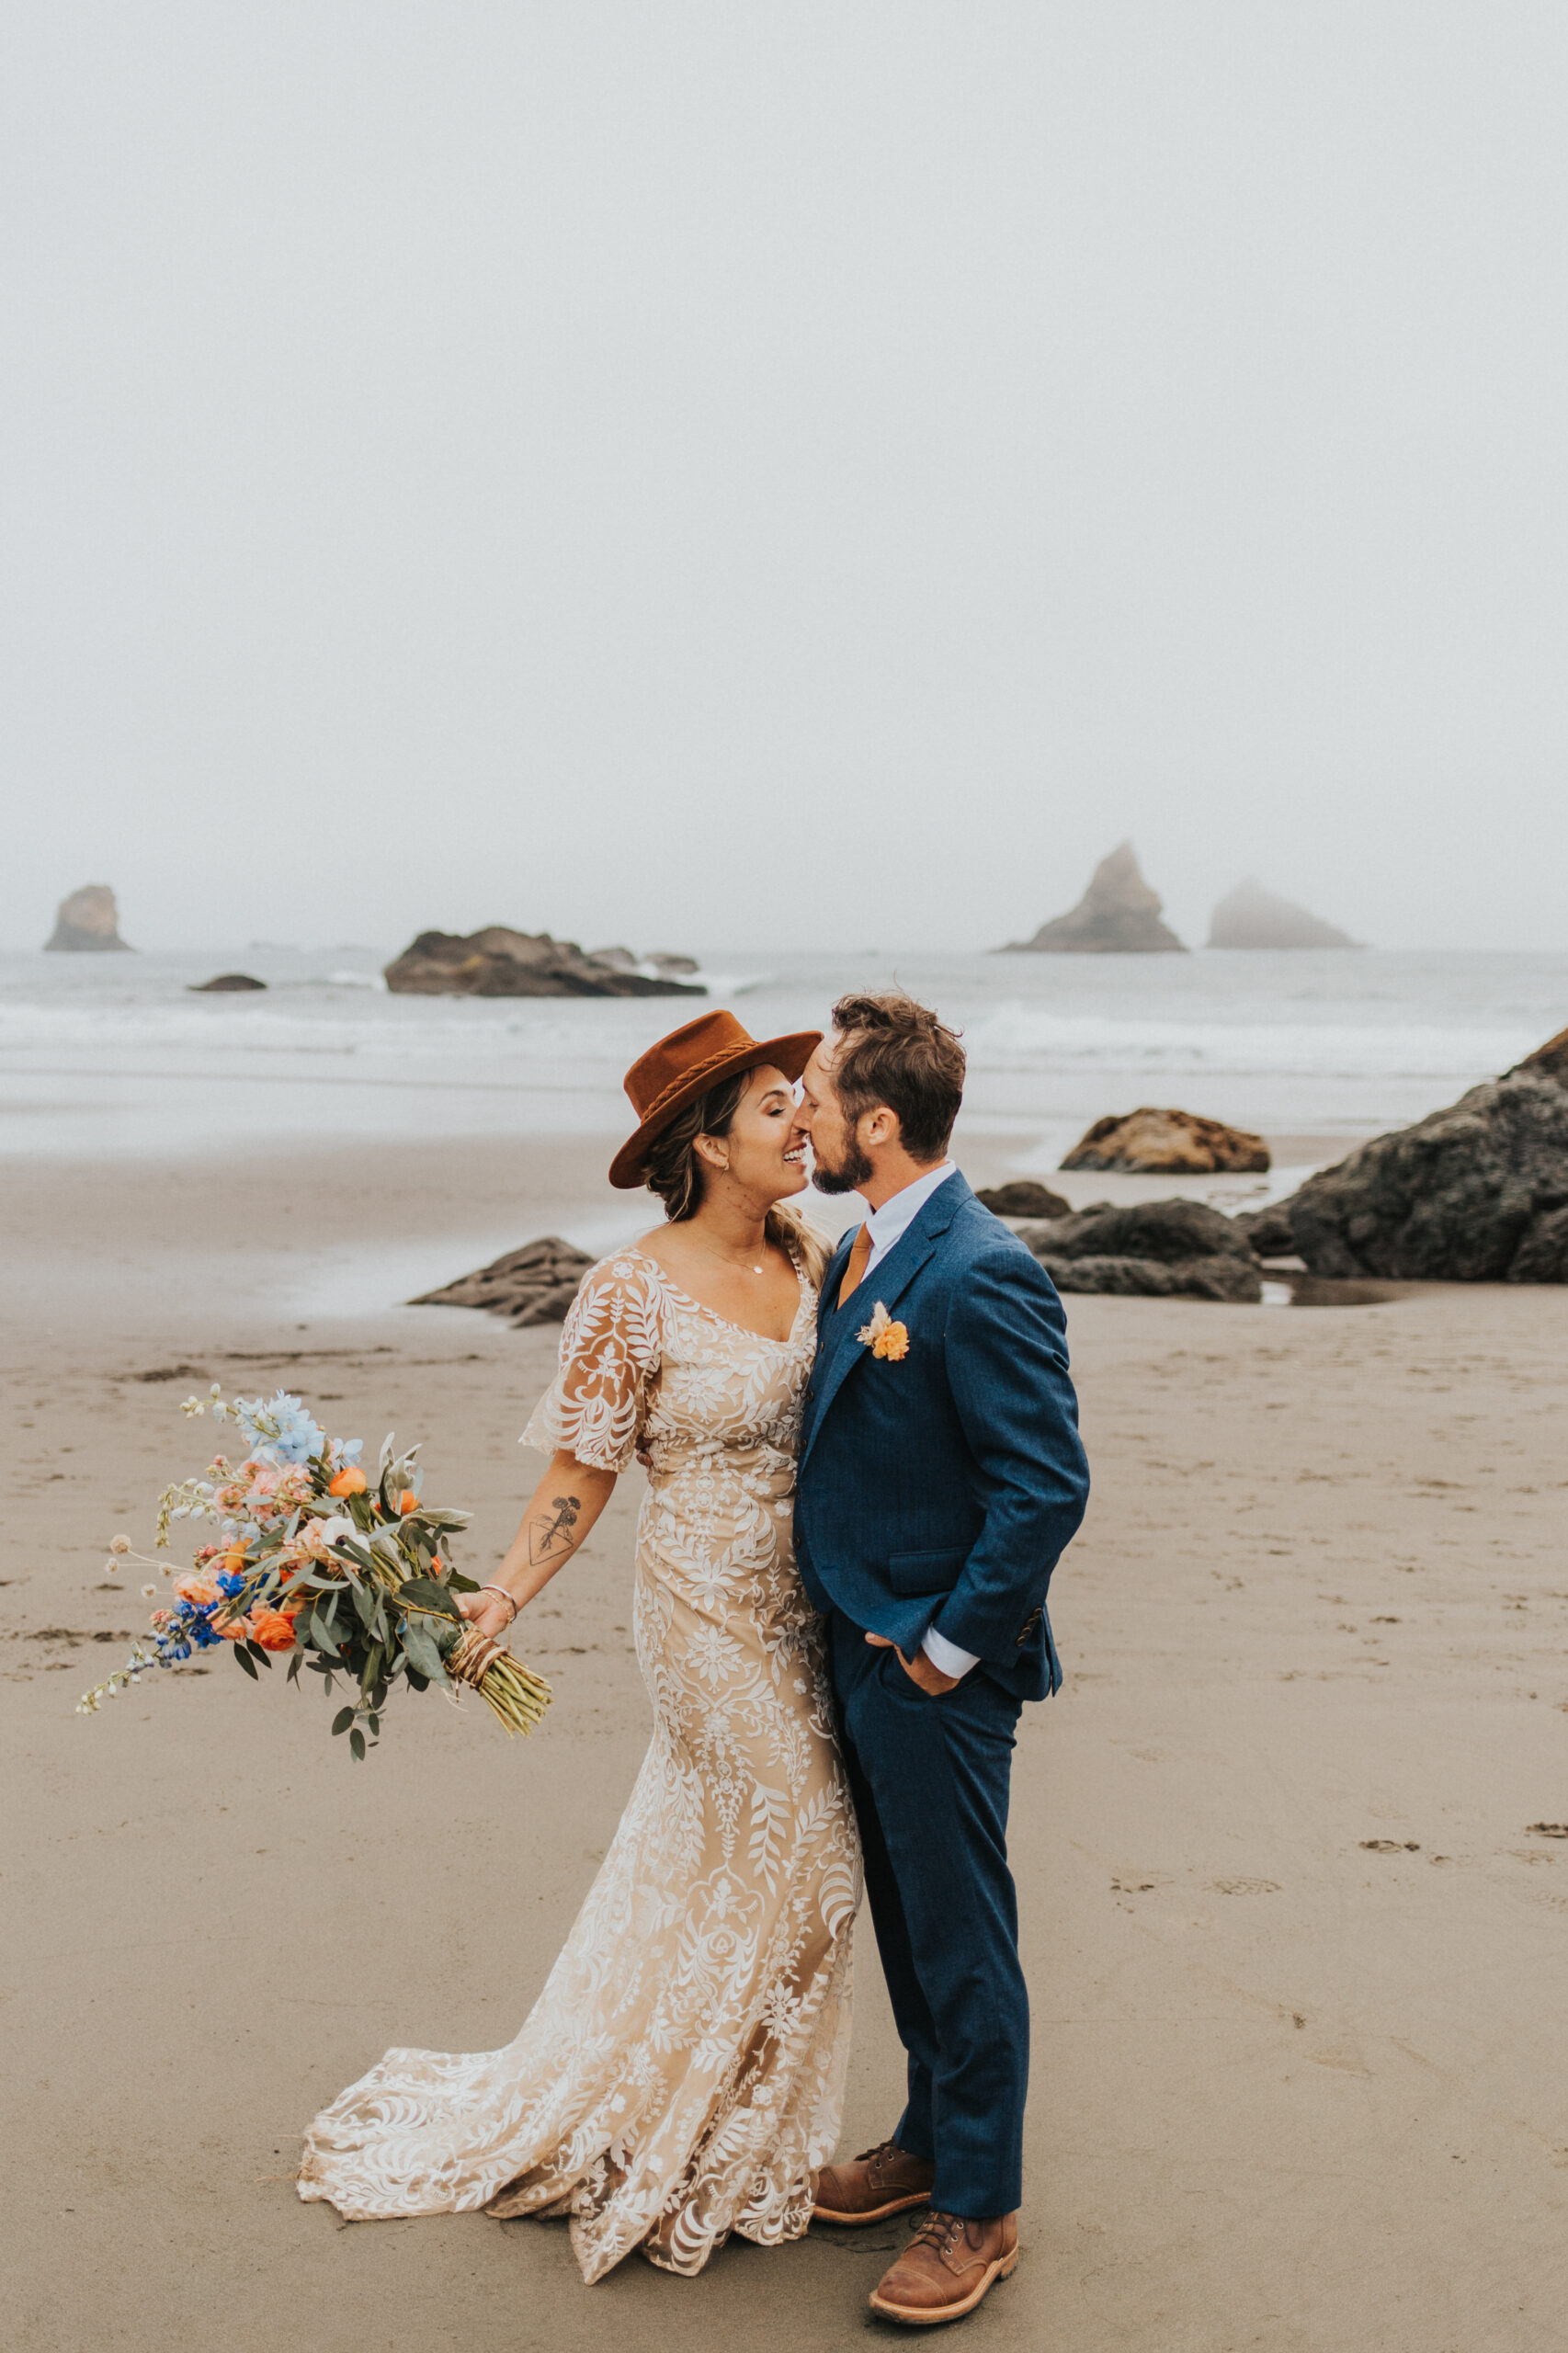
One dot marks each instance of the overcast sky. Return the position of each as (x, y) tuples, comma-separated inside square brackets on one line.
[(728, 476)]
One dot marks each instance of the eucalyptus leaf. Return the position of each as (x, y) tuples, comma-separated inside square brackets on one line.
[(357, 1743), (243, 1654), (342, 1721), (425, 1593), (262, 1658), (419, 1649)]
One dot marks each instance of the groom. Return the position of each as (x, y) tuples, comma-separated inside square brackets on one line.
[(941, 1474)]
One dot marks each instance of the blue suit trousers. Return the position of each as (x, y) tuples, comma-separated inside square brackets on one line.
[(929, 1777)]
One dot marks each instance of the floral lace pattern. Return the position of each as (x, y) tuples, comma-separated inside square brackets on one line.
[(681, 2075)]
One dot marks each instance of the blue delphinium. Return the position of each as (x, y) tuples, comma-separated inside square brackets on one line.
[(281, 1428)]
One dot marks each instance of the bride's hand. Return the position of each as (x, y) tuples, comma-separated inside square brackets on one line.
[(488, 1613)]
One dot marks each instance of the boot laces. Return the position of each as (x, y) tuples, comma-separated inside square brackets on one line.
[(940, 2229)]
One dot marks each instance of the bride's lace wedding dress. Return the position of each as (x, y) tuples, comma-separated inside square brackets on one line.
[(681, 2075)]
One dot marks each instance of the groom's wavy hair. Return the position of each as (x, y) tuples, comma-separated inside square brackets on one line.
[(895, 1051)]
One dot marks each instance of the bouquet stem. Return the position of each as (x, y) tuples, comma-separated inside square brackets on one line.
[(514, 1693)]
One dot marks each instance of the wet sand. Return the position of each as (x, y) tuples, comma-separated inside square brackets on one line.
[(1297, 1957)]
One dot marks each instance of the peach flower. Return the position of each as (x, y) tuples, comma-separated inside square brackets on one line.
[(348, 1482), (273, 1629)]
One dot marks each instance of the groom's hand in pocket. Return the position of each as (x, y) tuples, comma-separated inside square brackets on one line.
[(919, 1669)]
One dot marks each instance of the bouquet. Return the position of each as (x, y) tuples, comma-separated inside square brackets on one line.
[(345, 1574)]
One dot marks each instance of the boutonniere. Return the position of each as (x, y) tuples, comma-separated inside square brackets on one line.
[(883, 1337)]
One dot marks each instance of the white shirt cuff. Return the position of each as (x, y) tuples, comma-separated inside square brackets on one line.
[(947, 1655)]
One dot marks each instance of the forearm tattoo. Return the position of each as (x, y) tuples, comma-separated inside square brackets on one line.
[(548, 1539)]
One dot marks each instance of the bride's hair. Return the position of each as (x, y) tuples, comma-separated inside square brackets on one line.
[(671, 1169), (670, 1166)]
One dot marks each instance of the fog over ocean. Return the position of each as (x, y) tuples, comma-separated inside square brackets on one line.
[(111, 1055)]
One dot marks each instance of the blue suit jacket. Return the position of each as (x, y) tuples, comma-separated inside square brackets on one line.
[(940, 1488)]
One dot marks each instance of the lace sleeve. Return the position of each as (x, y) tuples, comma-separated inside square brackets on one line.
[(610, 1350)]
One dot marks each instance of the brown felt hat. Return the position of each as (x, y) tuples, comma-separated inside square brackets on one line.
[(685, 1066)]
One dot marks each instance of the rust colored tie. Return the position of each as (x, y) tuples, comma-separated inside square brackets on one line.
[(858, 1255)]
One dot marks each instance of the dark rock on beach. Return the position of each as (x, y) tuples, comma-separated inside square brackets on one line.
[(1168, 1144), (534, 1285), (1231, 1280), (1150, 1250), (1475, 1193), (1269, 1231), (226, 981), (1253, 917), (1022, 1197), (500, 962), (1119, 914), (88, 922)]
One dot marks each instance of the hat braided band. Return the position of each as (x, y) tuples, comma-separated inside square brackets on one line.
[(699, 1071)]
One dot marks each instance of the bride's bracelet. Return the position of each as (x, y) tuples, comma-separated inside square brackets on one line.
[(507, 1599)]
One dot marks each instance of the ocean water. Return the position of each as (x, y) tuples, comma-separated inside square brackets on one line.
[(112, 1055)]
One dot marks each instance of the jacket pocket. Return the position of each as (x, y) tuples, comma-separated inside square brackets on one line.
[(927, 1572)]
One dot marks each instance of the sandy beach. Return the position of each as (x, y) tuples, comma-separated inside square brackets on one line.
[(1295, 1953)]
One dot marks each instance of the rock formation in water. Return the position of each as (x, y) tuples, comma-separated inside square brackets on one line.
[(1166, 1144), (1476, 1193), (1119, 914), (1253, 917), (499, 963), (621, 959), (224, 982), (1023, 1197), (1151, 1250), (89, 922), (534, 1285)]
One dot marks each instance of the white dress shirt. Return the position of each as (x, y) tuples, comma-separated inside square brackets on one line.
[(886, 1226)]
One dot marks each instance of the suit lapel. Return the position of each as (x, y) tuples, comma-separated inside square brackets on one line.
[(891, 1279)]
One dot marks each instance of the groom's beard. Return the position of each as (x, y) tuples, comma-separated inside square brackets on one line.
[(853, 1170)]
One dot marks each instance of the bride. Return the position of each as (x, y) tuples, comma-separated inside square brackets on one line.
[(681, 2075)]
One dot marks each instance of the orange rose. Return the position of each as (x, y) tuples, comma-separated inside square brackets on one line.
[(273, 1629), (197, 1590), (234, 1630), (893, 1342), (408, 1501), (348, 1482)]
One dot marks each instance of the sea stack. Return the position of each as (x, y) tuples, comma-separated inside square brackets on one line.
[(1253, 917), (87, 922), (501, 962), (1119, 914)]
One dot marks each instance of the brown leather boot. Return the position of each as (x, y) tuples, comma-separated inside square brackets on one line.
[(881, 2181), (947, 2268)]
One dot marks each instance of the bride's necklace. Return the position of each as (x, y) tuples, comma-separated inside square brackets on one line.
[(736, 1267)]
